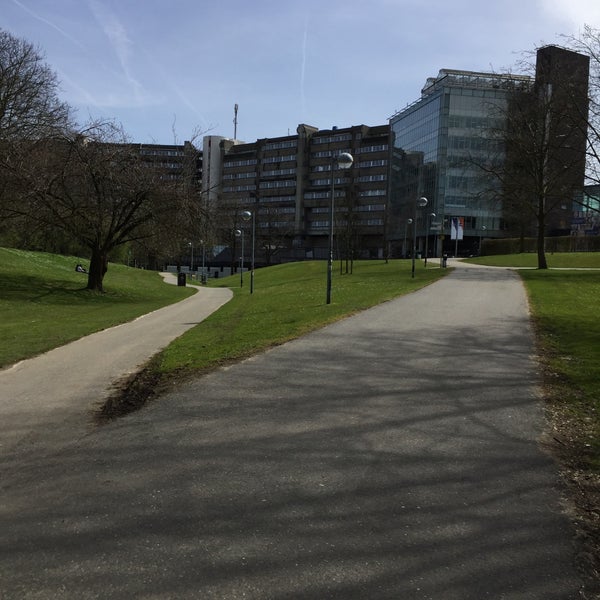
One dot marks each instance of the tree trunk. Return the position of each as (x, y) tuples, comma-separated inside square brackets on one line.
[(541, 241), (98, 268)]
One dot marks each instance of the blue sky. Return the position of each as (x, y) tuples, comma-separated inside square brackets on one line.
[(165, 69)]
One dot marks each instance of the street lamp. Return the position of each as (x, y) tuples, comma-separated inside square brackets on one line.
[(429, 217), (420, 203), (191, 244), (203, 275), (246, 215), (408, 222), (483, 228), (240, 233), (343, 161)]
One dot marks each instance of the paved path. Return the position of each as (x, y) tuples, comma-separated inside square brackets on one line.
[(393, 455), (47, 400)]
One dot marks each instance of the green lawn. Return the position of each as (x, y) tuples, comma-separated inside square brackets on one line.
[(288, 300), (558, 260), (565, 308), (44, 303)]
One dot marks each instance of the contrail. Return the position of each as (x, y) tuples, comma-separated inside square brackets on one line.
[(49, 23)]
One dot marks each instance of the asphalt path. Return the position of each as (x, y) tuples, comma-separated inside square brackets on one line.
[(396, 454)]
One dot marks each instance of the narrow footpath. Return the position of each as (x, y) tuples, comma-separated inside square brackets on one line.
[(397, 454)]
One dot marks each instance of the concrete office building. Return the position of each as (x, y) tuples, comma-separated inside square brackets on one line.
[(287, 182)]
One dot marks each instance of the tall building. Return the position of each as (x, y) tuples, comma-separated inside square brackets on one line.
[(287, 182), (441, 140), (436, 143), (561, 79)]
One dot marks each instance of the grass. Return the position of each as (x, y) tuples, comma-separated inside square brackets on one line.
[(558, 260), (565, 305), (288, 301), (44, 303)]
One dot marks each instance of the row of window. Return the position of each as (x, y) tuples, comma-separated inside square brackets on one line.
[(336, 181), (373, 163), (366, 193), (266, 185), (376, 148), (239, 163), (244, 175), (363, 208), (340, 137), (476, 144), (156, 152), (281, 145), (370, 178), (342, 222), (279, 172), (328, 153), (278, 159), (278, 199)]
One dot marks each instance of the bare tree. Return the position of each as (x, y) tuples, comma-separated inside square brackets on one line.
[(589, 43), (95, 187), (29, 103), (543, 136), (30, 110)]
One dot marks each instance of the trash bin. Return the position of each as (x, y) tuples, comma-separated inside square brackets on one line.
[(203, 279), (181, 279), (444, 261)]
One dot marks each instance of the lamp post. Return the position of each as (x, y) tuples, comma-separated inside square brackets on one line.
[(246, 215), (483, 228), (240, 233), (203, 275), (343, 161), (191, 245), (429, 217), (420, 203), (408, 222)]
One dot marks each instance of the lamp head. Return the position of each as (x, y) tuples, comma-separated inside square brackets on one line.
[(421, 202), (246, 215), (345, 160)]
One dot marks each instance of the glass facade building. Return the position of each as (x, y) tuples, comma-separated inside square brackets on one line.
[(436, 145)]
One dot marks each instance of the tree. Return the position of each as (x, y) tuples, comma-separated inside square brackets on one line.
[(29, 103), (589, 43), (30, 110), (95, 187), (543, 136)]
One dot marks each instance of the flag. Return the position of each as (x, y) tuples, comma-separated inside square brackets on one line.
[(457, 226)]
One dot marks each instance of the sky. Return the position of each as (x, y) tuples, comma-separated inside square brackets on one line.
[(169, 70)]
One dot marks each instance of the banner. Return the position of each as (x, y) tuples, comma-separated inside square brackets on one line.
[(457, 226)]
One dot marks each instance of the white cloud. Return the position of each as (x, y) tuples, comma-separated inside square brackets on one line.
[(577, 12)]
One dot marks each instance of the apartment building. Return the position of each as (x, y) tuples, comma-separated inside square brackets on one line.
[(287, 182)]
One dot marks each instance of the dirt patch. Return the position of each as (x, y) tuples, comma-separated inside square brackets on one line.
[(131, 394), (570, 445)]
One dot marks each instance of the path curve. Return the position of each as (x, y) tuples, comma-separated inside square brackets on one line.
[(47, 399)]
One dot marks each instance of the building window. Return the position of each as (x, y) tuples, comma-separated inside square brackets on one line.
[(367, 178), (373, 163), (377, 148)]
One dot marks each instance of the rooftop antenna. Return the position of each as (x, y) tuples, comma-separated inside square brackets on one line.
[(235, 110)]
